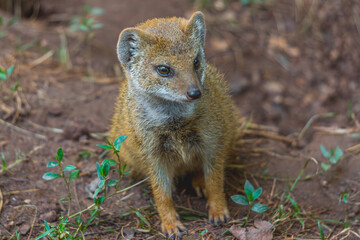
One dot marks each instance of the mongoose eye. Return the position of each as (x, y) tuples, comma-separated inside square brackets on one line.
[(196, 63), (163, 71)]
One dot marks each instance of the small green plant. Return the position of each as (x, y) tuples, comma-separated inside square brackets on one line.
[(333, 156), (249, 200), (86, 24), (84, 154), (247, 2), (4, 25), (102, 169), (3, 162), (63, 53), (5, 73), (344, 197), (59, 231), (74, 174)]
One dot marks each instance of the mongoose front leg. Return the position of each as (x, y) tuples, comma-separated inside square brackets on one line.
[(170, 221), (214, 183)]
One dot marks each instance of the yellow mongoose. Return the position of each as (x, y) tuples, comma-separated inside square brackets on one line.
[(177, 113)]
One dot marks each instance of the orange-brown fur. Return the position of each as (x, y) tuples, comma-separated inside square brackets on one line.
[(169, 138)]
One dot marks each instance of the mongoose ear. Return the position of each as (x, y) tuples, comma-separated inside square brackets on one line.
[(129, 43), (196, 27)]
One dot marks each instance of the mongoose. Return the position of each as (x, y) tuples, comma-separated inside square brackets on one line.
[(177, 113)]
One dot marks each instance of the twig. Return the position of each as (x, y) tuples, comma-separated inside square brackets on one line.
[(41, 59), (33, 222), (21, 191), (335, 130), (44, 128), (273, 189), (270, 135), (311, 120), (1, 200), (18, 129)]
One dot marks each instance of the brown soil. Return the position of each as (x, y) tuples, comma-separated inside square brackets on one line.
[(284, 62)]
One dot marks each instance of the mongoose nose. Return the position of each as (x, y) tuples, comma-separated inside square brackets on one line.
[(193, 93)]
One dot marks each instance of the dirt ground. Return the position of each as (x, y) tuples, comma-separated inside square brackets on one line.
[(285, 62)]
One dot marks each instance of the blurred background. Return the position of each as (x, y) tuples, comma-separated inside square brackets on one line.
[(285, 61)]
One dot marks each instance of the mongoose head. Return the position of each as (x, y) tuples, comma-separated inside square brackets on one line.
[(165, 57)]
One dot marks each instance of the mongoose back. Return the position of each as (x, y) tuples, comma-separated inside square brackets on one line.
[(177, 114)]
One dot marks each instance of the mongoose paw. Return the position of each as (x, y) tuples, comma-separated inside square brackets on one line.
[(218, 217), (199, 185), (173, 229), (201, 191)]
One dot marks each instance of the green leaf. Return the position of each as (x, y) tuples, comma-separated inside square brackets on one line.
[(325, 166), (51, 176), (248, 186), (96, 11), (245, 2), (101, 184), (64, 199), (333, 160), (1, 20), (321, 231), (47, 227), (127, 172), (259, 208), (45, 233), (121, 139), (103, 146), (249, 195), (345, 197), (338, 153), (109, 161), (99, 171), (12, 22), (69, 168), (3, 76), (15, 87), (99, 201), (3, 33), (3, 161), (105, 170), (10, 70), (97, 192), (112, 183), (97, 26), (240, 199), (74, 175), (78, 220), (60, 154), (296, 207), (257, 193), (83, 28), (142, 218), (325, 152), (118, 141)]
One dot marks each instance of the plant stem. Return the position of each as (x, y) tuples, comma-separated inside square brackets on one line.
[(67, 186), (117, 192)]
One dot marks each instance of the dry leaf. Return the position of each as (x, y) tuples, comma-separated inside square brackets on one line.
[(262, 230)]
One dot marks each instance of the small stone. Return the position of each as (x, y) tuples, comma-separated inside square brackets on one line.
[(55, 110), (49, 216), (24, 229), (91, 187), (27, 201)]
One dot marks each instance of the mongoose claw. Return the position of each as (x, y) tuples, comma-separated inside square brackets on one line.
[(173, 230), (218, 217)]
